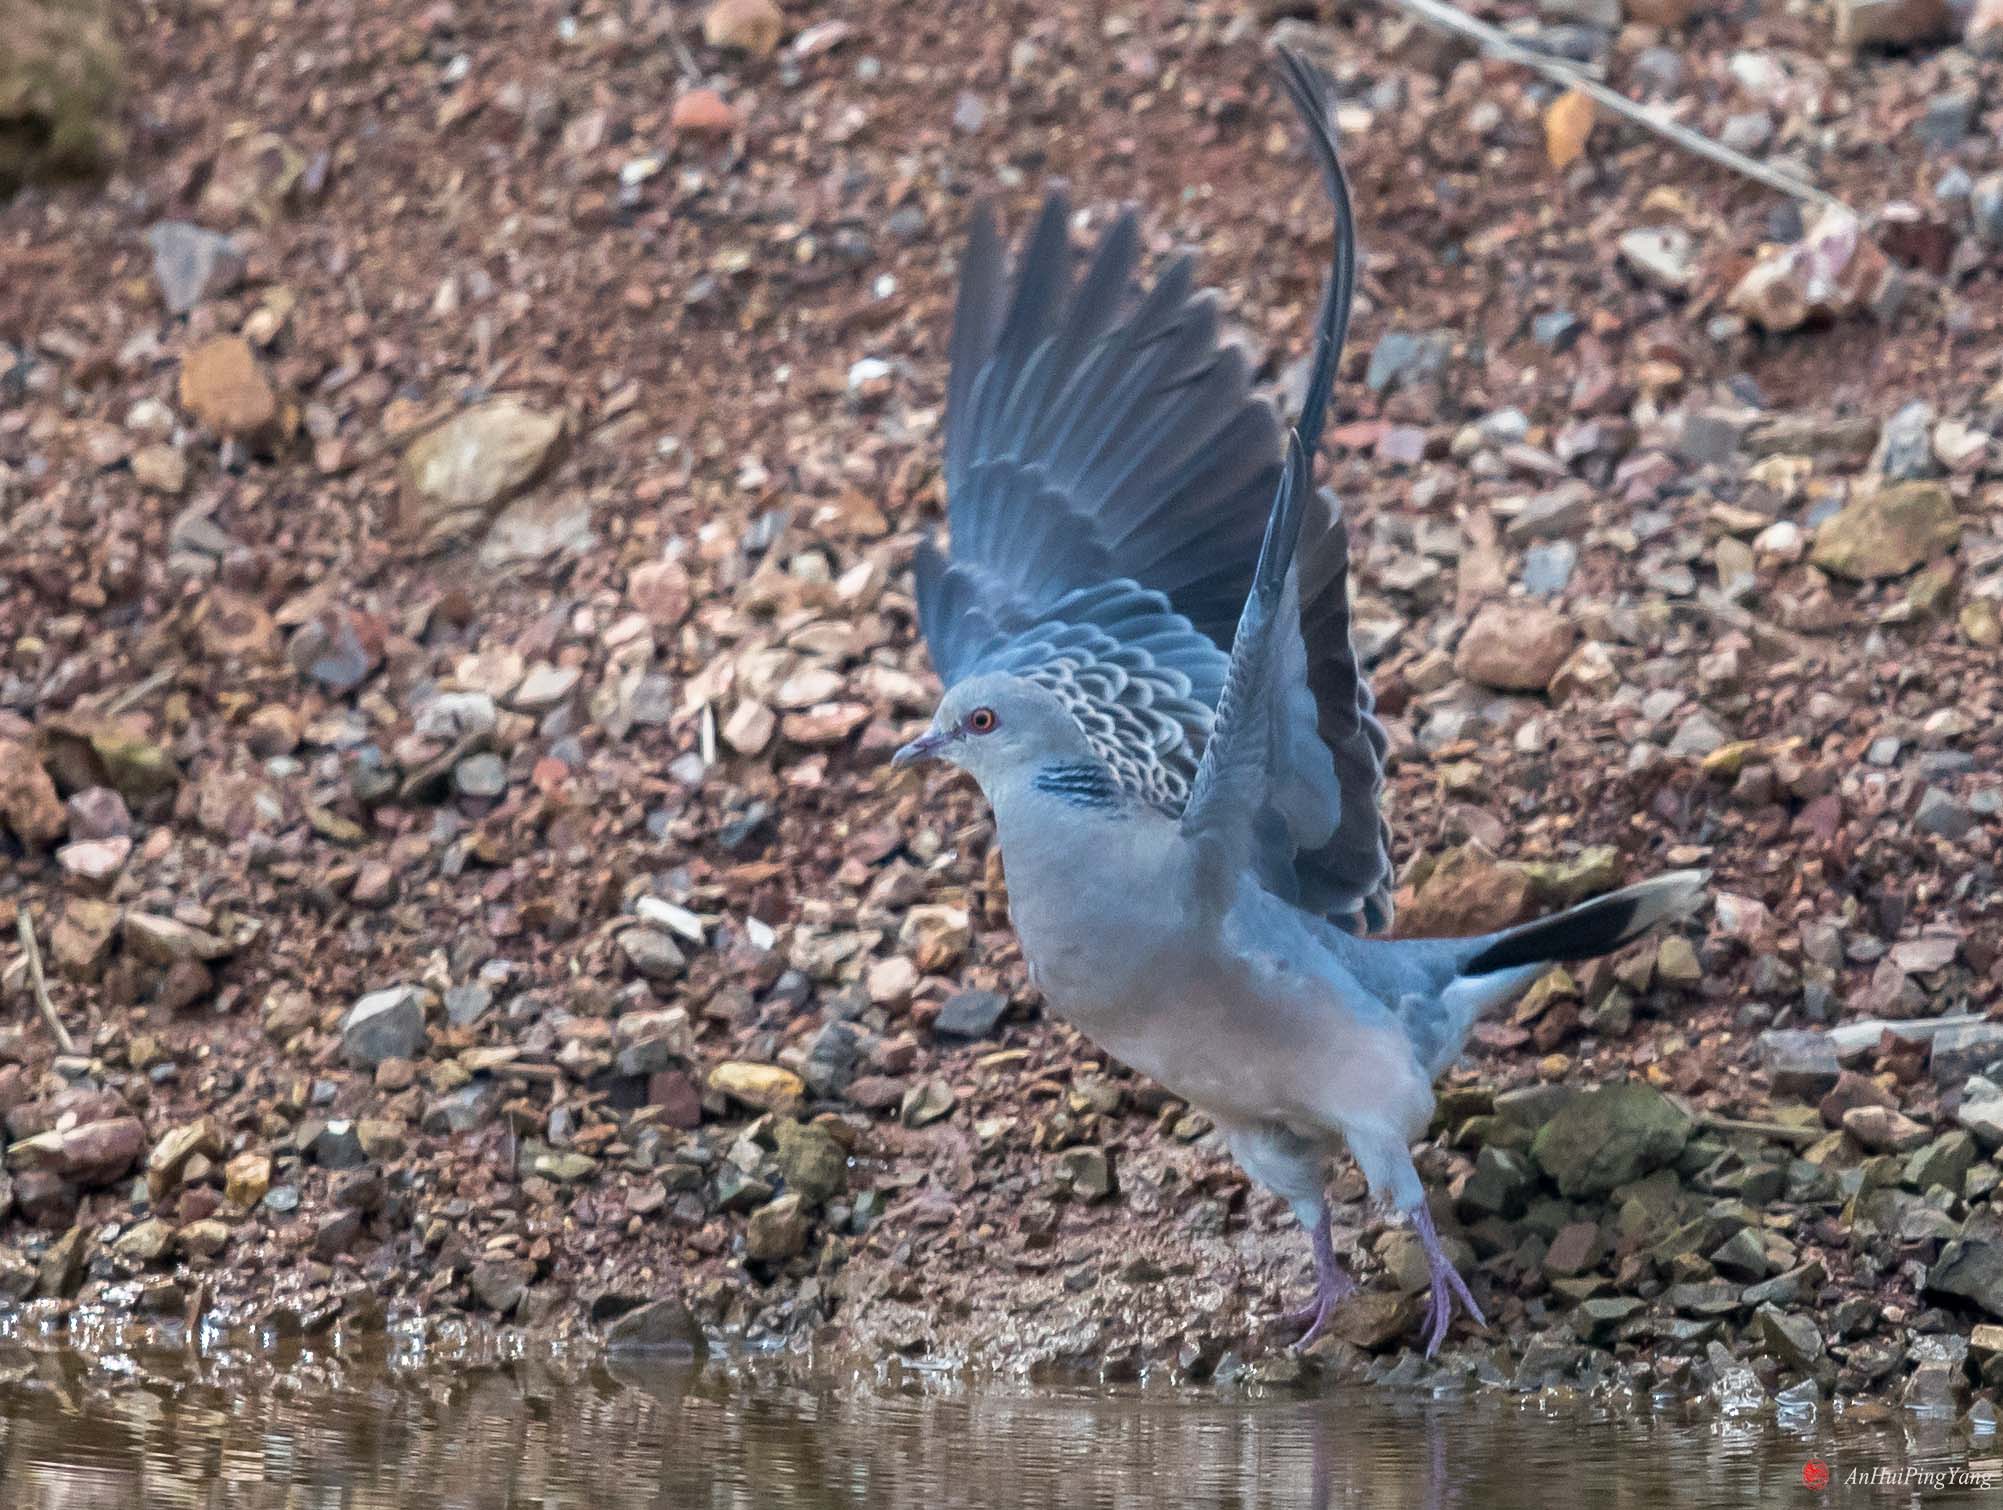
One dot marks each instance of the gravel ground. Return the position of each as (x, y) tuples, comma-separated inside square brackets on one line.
[(459, 467)]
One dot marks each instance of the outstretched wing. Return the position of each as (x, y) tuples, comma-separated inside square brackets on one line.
[(1288, 786), (1106, 474), (1109, 479), (1266, 780), (1348, 878)]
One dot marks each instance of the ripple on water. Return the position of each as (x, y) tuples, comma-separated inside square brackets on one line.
[(398, 1422)]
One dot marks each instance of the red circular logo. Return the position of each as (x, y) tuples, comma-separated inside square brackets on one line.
[(1815, 1474)]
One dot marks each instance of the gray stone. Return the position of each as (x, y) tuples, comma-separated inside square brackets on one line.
[(1560, 513), (1573, 41), (1936, 1387), (1531, 1106), (1971, 1267), (1698, 735), (1905, 449), (455, 715), (335, 1233), (1605, 14), (1499, 1186), (559, 1165), (1802, 1063), (1403, 356), (1944, 1162), (1899, 1215), (1659, 70), (384, 1025), (927, 1102), (464, 1110), (1556, 329), (1665, 256), (1711, 437), (1547, 569), (1981, 1111), (737, 1191), (832, 1059), (1792, 1338), (969, 112), (500, 1284), (168, 941), (970, 1014), (653, 954), (1985, 207), (1947, 118), (466, 1005), (1742, 1257), (661, 1324), (1597, 1320), (1965, 1049), (1749, 131), (1941, 815), (1785, 1290), (545, 687), (1709, 1298), (339, 1146), (481, 775), (192, 263), (1610, 1136), (1837, 441), (648, 1056)]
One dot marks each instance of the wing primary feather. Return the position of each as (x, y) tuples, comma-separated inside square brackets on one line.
[(976, 318), (1346, 878), (1232, 780), (1100, 434), (1310, 90)]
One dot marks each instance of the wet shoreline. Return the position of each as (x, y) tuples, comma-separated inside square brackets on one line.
[(480, 1417)]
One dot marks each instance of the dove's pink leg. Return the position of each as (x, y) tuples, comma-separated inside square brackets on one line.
[(1448, 1286), (1331, 1284)]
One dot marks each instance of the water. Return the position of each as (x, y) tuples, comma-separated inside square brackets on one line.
[(370, 1427)]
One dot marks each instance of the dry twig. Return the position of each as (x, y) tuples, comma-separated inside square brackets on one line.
[(138, 692), (1780, 1132), (1439, 14), (39, 985)]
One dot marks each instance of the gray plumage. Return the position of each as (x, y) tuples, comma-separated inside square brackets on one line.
[(1109, 473), (1143, 625)]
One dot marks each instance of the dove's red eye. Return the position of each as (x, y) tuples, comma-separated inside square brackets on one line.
[(982, 721)]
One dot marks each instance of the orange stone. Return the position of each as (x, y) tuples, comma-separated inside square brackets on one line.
[(704, 112), (223, 387)]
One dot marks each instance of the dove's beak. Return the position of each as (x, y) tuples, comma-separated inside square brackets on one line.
[(924, 747)]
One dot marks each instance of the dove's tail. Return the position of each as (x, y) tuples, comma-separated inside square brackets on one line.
[(1483, 973), (1442, 986), (1591, 928)]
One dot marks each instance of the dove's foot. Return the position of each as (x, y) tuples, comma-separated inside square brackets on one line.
[(1328, 1294), (1332, 1285), (1447, 1287)]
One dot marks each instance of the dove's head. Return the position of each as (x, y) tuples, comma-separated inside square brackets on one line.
[(997, 725)]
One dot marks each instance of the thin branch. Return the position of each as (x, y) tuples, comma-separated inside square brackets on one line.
[(25, 926), (1438, 13), (138, 692), (1779, 1131)]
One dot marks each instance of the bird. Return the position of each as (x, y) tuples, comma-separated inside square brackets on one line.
[(1141, 621)]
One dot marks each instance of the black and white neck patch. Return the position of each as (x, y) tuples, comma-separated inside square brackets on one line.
[(1082, 783)]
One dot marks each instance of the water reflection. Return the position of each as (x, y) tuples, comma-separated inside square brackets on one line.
[(369, 1430)]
